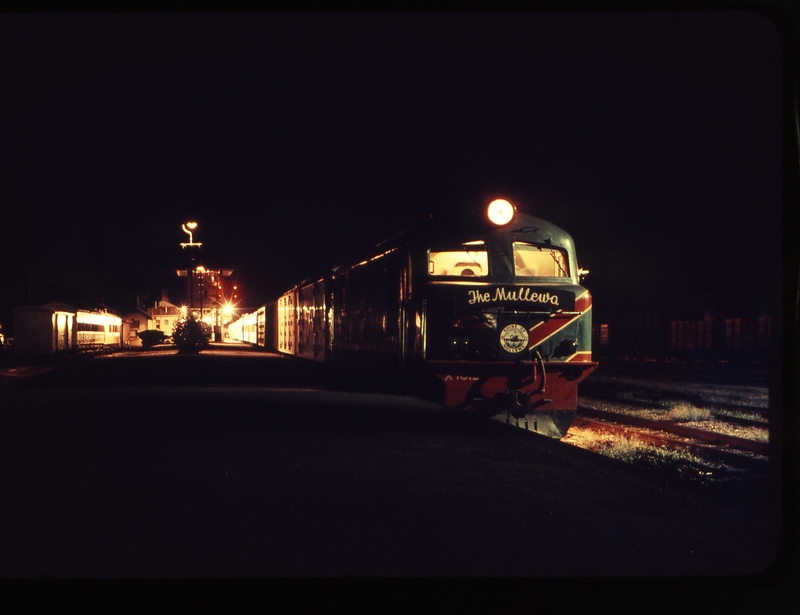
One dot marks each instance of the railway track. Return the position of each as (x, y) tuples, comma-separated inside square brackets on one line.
[(693, 399), (730, 450), (719, 374), (635, 406), (693, 433)]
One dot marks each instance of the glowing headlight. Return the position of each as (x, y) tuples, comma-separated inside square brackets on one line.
[(500, 212)]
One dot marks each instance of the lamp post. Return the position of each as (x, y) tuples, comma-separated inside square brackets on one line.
[(188, 228), (225, 318)]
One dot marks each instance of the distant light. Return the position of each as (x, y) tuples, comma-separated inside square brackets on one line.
[(227, 309), (500, 212), (191, 225)]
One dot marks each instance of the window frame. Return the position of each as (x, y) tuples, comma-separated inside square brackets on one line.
[(463, 248), (541, 248)]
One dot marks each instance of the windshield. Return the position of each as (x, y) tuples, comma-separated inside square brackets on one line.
[(470, 260), (539, 261)]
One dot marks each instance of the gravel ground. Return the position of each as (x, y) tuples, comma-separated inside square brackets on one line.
[(168, 466), (671, 395), (9, 374)]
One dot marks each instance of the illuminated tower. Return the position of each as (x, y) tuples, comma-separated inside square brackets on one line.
[(205, 295)]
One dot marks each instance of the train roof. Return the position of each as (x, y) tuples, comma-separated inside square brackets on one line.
[(438, 231), (466, 223), (53, 306), (57, 306)]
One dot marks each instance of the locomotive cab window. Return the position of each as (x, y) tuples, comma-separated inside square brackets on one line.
[(471, 260), (539, 261)]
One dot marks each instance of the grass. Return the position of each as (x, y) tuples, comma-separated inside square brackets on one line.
[(635, 452), (761, 435), (682, 412), (638, 453)]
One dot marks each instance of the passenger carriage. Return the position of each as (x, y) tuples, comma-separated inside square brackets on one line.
[(488, 309)]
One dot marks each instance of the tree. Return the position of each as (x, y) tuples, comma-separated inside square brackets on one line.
[(191, 335)]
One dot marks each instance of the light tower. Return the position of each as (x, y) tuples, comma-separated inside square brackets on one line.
[(188, 228)]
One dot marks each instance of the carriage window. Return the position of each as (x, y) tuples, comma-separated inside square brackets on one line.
[(539, 261), (468, 262)]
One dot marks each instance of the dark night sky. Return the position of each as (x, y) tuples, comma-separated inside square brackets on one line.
[(654, 138)]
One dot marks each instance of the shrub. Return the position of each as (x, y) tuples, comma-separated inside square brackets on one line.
[(151, 337), (191, 335)]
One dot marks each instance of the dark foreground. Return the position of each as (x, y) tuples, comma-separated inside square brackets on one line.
[(220, 465)]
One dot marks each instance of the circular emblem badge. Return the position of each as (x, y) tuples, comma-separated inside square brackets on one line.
[(514, 338)]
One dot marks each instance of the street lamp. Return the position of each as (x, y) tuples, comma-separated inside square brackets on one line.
[(188, 228), (224, 316)]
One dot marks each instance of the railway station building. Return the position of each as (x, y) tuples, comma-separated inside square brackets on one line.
[(208, 296)]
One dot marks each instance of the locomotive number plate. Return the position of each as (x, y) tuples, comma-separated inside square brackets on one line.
[(514, 338)]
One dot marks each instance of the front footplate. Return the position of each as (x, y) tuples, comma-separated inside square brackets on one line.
[(550, 423)]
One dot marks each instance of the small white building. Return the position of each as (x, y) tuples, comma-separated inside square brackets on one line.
[(164, 316), (135, 321)]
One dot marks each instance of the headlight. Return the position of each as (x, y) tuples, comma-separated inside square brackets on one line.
[(500, 212)]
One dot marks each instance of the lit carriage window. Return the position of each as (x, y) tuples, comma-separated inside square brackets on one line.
[(468, 262), (539, 261)]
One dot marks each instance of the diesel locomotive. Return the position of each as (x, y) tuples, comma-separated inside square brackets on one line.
[(488, 309)]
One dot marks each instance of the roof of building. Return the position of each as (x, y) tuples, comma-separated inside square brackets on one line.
[(137, 312)]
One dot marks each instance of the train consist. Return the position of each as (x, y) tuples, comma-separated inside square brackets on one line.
[(55, 327), (488, 309), (687, 336)]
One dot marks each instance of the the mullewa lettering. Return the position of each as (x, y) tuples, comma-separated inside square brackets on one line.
[(519, 294)]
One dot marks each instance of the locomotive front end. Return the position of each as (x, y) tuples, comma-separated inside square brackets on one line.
[(507, 322)]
